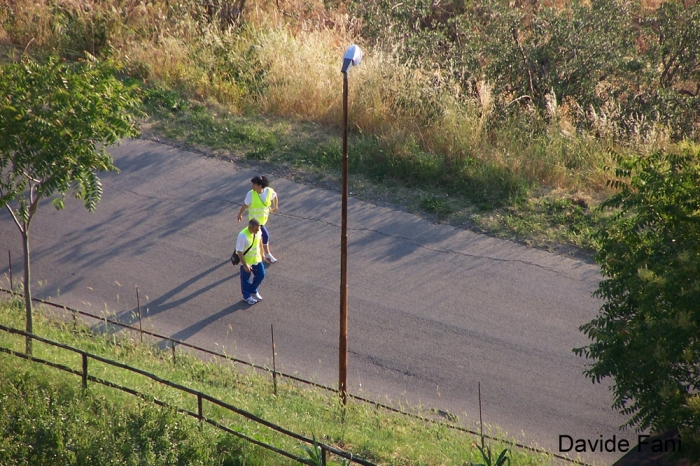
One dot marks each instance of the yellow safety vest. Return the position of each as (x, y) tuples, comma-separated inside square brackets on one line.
[(253, 255), (259, 209)]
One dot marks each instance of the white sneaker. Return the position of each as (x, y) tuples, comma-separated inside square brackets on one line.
[(250, 300), (256, 296), (270, 258)]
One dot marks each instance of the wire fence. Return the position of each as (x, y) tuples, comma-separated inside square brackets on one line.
[(274, 373), (201, 397)]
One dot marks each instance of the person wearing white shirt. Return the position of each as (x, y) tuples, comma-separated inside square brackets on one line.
[(260, 202), (248, 250)]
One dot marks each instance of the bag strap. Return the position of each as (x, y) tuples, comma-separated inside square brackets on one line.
[(251, 245), (261, 201), (246, 251)]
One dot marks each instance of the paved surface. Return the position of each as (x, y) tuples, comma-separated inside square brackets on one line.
[(433, 309)]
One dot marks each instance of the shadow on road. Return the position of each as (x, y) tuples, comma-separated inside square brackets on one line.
[(186, 333), (163, 303), (135, 201)]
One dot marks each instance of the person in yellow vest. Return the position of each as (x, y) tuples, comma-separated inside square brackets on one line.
[(248, 250), (261, 201)]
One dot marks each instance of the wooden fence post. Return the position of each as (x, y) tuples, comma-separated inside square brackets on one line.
[(274, 368), (85, 370), (138, 305), (480, 418), (75, 318), (9, 260)]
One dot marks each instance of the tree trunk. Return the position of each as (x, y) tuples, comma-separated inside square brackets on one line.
[(27, 289)]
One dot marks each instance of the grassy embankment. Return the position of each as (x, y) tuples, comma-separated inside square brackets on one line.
[(45, 417), (449, 137)]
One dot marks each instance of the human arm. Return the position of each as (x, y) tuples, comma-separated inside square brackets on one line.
[(272, 198), (246, 202), (240, 212), (245, 266)]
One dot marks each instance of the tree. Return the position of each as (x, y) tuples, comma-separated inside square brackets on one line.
[(56, 119), (647, 334)]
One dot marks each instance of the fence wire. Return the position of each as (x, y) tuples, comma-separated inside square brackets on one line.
[(300, 380)]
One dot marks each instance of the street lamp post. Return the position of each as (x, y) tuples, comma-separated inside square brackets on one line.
[(352, 57)]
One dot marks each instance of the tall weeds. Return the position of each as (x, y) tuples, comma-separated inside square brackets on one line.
[(284, 59)]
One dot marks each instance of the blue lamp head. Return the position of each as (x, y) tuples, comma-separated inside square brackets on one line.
[(352, 57)]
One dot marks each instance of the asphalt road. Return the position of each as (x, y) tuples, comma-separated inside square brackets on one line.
[(433, 309)]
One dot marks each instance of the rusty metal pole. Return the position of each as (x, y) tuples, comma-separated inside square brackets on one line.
[(343, 343), (352, 57), (138, 305)]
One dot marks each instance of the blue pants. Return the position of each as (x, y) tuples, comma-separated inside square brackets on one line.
[(258, 272), (265, 235)]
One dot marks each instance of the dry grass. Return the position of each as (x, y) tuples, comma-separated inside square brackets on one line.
[(286, 62)]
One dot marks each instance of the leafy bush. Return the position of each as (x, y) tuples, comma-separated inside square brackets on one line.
[(486, 99), (609, 62), (671, 34), (646, 335)]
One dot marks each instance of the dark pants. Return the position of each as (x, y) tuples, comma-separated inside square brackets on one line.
[(265, 235), (247, 287)]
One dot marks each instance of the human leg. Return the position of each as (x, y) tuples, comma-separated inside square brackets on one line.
[(245, 283), (265, 236), (265, 240), (258, 276), (266, 245)]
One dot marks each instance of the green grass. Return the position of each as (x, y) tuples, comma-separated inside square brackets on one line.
[(306, 144), (71, 417), (558, 223), (488, 199), (48, 420), (435, 204), (310, 145), (269, 91)]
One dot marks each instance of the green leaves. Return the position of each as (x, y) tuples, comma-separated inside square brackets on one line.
[(314, 454), (488, 458), (55, 120), (647, 334), (619, 69)]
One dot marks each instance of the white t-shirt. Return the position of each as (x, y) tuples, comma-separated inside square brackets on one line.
[(263, 196)]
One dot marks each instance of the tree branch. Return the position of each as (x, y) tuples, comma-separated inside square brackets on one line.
[(689, 93), (26, 47), (34, 180), (33, 205), (24, 173), (32, 186), (14, 217), (514, 30), (519, 99)]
